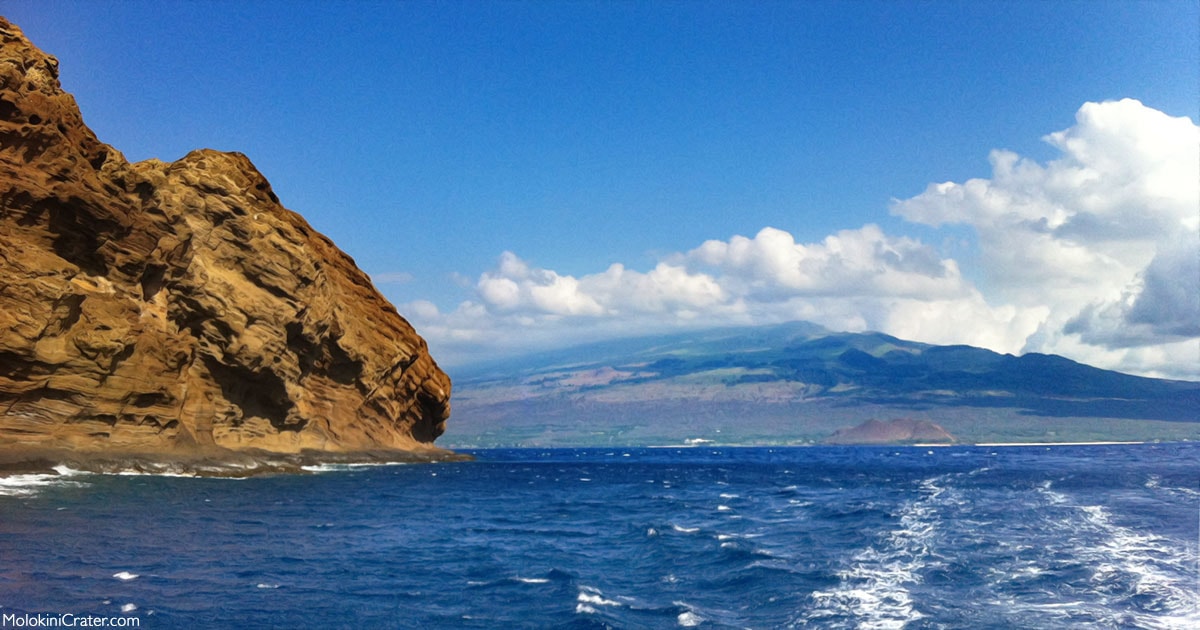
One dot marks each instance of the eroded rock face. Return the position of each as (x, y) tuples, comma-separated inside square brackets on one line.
[(154, 306)]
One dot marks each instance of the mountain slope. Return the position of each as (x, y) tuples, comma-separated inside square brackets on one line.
[(799, 382)]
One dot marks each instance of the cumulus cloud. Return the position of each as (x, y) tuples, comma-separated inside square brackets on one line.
[(1161, 306), (513, 286), (726, 276), (850, 263), (1094, 255), (516, 288), (856, 280), (1104, 238)]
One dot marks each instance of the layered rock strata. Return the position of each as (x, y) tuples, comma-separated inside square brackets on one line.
[(164, 308)]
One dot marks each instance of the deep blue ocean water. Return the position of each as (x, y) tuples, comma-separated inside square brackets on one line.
[(822, 537)]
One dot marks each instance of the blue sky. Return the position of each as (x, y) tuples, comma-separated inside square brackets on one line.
[(460, 149)]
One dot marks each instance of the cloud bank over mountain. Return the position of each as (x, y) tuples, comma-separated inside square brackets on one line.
[(1094, 255)]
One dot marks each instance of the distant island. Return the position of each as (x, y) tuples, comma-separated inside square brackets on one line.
[(176, 316), (895, 431), (799, 383)]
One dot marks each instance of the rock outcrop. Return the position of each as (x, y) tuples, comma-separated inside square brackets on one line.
[(157, 307), (898, 431)]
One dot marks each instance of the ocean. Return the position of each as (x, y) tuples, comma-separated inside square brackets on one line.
[(1096, 536)]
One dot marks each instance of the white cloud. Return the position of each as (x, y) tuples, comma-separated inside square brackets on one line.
[(850, 263), (854, 280), (515, 287), (1104, 238), (1094, 255), (423, 309), (1162, 305)]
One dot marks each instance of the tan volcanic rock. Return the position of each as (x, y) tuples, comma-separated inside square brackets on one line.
[(154, 307), (898, 431)]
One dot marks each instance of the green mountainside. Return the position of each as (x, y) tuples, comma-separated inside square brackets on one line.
[(799, 383)]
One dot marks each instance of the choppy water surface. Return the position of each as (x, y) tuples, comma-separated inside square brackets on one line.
[(838, 537)]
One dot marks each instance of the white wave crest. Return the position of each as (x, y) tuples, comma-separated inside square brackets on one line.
[(689, 619), (875, 588), (1152, 564), (525, 580), (1134, 578), (29, 485), (596, 599)]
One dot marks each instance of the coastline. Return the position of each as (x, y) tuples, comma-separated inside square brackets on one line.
[(225, 463), (1062, 443), (711, 444), (692, 446), (206, 462)]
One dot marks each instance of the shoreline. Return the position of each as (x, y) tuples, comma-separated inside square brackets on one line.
[(223, 463), (228, 464), (1067, 443), (819, 444)]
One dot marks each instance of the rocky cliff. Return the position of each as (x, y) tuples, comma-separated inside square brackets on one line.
[(179, 308)]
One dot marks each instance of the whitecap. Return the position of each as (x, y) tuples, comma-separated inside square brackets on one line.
[(595, 598), (1058, 605), (125, 576), (1056, 498), (67, 471), (689, 619), (723, 508), (28, 485), (266, 585), (128, 608), (346, 466), (685, 530), (526, 580), (724, 537), (320, 468), (1130, 571), (875, 587), (1155, 566), (145, 473)]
